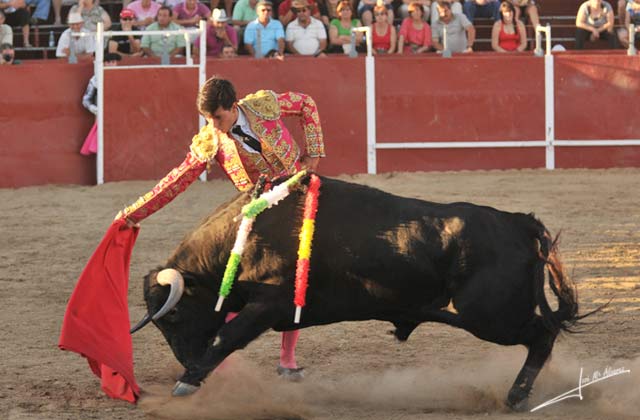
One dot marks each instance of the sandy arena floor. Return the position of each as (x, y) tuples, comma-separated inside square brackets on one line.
[(354, 370)]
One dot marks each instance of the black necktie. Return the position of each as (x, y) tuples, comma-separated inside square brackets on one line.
[(247, 139)]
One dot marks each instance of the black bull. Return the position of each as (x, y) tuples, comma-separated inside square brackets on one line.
[(374, 256)]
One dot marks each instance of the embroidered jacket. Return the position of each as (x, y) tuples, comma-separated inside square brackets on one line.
[(279, 156)]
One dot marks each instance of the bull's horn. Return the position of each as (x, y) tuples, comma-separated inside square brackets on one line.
[(167, 277)]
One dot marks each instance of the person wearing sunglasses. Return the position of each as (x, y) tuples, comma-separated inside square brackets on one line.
[(415, 33), (286, 14), (271, 33), (126, 45), (383, 35), (305, 35)]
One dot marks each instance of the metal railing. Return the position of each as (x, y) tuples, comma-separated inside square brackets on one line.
[(631, 50), (539, 31)]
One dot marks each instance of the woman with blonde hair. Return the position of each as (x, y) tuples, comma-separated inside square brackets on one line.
[(383, 35), (509, 33)]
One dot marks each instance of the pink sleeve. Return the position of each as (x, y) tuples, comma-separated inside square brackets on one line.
[(404, 28), (303, 106)]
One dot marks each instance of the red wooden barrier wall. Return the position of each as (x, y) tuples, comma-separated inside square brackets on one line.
[(151, 114)]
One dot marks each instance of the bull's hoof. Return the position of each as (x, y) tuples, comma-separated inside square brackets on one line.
[(290, 374), (182, 389), (518, 399)]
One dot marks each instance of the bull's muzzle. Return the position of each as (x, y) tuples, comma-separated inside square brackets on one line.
[(166, 277)]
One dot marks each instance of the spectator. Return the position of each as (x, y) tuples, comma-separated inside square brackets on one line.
[(189, 14), (243, 13), (6, 33), (286, 15), (271, 33), (594, 21), (41, 12), (456, 8), (383, 35), (508, 33), (89, 99), (145, 11), (305, 35), (155, 45), (125, 44), (460, 31), (328, 10), (228, 52), (631, 16), (92, 13), (365, 10), (84, 46), (415, 33), (340, 29), (527, 8), (8, 55), (481, 8), (57, 8), (219, 35), (622, 11), (403, 10), (16, 14)]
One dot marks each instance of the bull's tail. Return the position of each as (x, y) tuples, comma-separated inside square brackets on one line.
[(563, 288)]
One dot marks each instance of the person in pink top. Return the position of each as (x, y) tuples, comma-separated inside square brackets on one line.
[(145, 10), (415, 33), (190, 12)]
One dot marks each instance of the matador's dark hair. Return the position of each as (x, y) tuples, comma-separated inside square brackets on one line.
[(216, 92)]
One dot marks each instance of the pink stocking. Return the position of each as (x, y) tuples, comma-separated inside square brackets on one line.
[(288, 349)]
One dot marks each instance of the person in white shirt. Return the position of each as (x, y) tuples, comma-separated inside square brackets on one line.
[(305, 35), (84, 46)]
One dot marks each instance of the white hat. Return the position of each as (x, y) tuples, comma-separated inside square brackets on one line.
[(219, 15), (559, 48), (75, 18)]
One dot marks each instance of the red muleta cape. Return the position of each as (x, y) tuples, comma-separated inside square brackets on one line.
[(96, 322)]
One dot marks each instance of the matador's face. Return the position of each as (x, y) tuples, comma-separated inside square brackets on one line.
[(224, 119)]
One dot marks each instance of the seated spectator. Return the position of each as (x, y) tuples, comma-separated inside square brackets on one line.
[(6, 33), (16, 14), (456, 8), (84, 46), (460, 31), (286, 15), (243, 13), (41, 12), (383, 35), (415, 33), (305, 35), (92, 13), (340, 30), (156, 45), (481, 8), (145, 11), (365, 10), (328, 10), (127, 45), (403, 10), (189, 13), (631, 16), (527, 8), (219, 35), (228, 52), (595, 21), (508, 33), (271, 33), (8, 54), (622, 11)]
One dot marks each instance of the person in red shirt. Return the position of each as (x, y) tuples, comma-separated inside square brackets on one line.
[(286, 15)]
